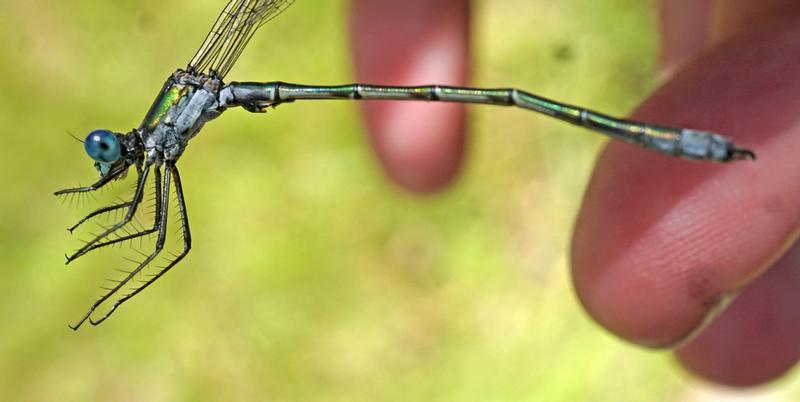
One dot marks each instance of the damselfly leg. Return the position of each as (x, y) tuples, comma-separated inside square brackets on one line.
[(134, 204), (162, 188), (99, 212), (128, 234), (187, 245), (104, 180)]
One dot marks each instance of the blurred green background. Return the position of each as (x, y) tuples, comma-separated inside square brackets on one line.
[(312, 277)]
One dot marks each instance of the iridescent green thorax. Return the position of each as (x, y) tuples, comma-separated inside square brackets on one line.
[(169, 97)]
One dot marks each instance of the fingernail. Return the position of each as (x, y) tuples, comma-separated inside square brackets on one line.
[(715, 305)]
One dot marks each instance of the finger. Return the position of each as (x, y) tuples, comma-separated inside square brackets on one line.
[(755, 339), (659, 242), (684, 32), (733, 17), (413, 42)]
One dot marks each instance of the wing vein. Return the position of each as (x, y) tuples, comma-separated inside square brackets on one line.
[(233, 29)]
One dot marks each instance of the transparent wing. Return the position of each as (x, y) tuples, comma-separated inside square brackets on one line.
[(233, 29)]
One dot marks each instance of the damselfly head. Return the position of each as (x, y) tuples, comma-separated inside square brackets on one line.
[(105, 148), (113, 152)]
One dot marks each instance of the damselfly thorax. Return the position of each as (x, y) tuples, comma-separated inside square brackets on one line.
[(186, 102)]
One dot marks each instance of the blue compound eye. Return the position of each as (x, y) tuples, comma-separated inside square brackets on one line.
[(103, 146)]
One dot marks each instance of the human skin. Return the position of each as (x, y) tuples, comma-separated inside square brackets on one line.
[(660, 244)]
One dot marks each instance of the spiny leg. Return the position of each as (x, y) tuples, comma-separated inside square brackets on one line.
[(162, 235), (187, 245), (71, 193), (137, 198), (99, 212), (111, 176), (142, 232), (109, 208)]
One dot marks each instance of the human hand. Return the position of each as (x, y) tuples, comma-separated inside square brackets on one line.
[(660, 243)]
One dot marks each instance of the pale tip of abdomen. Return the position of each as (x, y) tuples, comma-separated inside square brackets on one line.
[(706, 145)]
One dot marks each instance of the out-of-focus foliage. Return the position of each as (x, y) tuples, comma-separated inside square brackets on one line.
[(312, 278)]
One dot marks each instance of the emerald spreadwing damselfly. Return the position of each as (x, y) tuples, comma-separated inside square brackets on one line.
[(193, 96)]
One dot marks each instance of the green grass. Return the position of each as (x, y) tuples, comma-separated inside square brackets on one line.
[(312, 278)]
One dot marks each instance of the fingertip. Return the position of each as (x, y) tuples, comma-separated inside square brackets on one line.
[(420, 146), (660, 243), (685, 32), (649, 242), (416, 42)]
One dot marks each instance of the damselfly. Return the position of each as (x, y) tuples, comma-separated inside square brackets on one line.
[(192, 97)]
